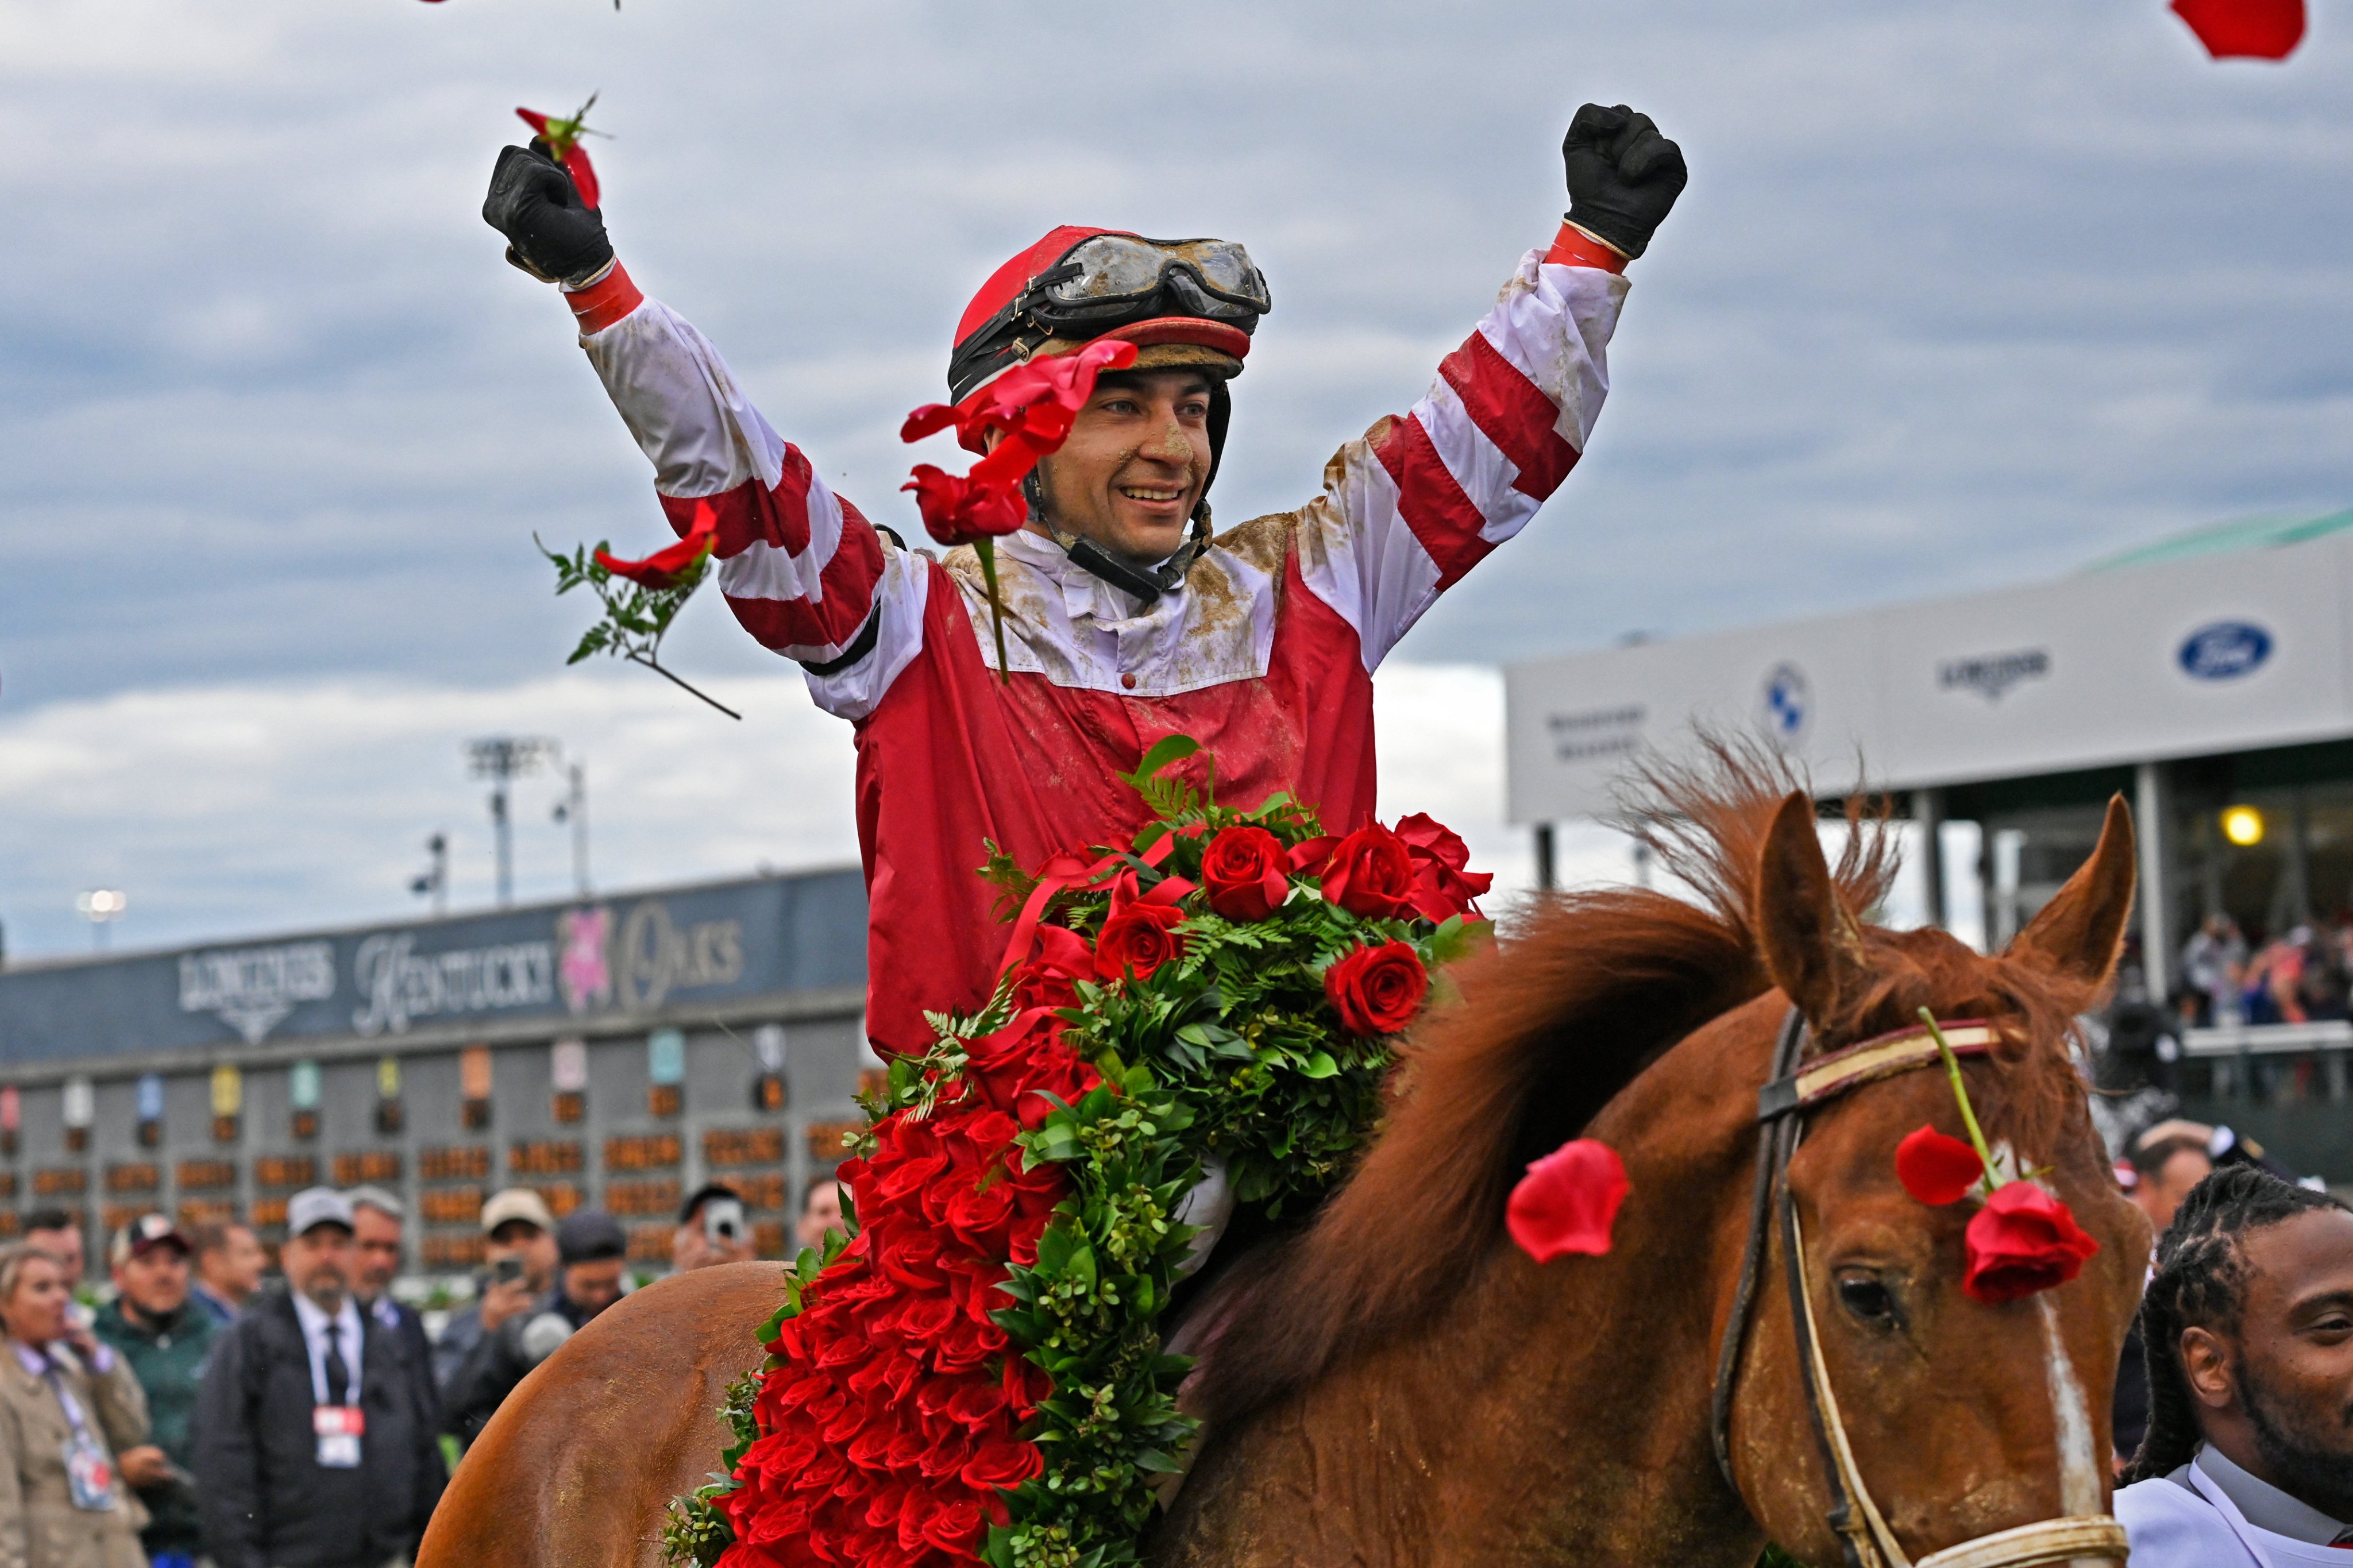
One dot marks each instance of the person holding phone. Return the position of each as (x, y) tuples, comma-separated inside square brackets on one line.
[(519, 1259), (711, 1229)]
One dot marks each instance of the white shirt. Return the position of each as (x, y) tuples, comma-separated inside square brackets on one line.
[(347, 1341), (2200, 1516)]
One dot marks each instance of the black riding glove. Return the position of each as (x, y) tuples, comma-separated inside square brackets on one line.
[(551, 233), (1624, 176)]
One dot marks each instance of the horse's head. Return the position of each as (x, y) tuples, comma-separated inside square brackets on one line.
[(1960, 1418)]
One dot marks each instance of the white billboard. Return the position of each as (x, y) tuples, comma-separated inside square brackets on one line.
[(2211, 654)]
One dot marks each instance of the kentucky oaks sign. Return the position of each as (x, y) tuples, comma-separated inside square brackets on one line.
[(618, 957)]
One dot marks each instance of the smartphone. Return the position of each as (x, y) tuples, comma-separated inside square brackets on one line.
[(722, 1220), (506, 1271)]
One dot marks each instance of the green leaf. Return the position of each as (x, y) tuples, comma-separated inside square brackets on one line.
[(1166, 750), (1320, 1063)]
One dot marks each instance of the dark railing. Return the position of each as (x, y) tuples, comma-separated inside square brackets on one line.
[(2285, 1086)]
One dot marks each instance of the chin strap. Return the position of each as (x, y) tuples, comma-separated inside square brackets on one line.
[(1145, 584)]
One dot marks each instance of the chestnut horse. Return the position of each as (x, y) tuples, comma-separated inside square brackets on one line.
[(1403, 1385)]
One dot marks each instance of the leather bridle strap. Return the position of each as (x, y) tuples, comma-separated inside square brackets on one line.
[(1786, 1052), (1781, 1105)]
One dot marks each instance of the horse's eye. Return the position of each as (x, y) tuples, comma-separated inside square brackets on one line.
[(1867, 1299)]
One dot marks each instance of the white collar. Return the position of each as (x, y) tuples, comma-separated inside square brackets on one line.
[(314, 1322), (2263, 1505), (1084, 593)]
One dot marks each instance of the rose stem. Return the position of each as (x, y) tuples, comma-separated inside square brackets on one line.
[(986, 550), (1961, 1093)]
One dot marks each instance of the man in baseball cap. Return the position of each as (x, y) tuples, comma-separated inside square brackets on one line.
[(318, 1446), (162, 1337), (517, 1267), (593, 1250)]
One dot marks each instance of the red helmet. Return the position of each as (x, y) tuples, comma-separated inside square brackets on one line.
[(1181, 301)]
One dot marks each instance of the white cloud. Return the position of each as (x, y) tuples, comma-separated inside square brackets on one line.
[(1958, 296), (224, 810)]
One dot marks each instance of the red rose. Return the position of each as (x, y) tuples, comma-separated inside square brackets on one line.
[(2022, 1241), (1066, 1080), (1937, 1169), (1003, 1464), (1310, 859), (1377, 990), (1138, 940), (667, 568), (953, 1526), (1441, 885), (1370, 875), (1568, 1201), (1061, 957), (1247, 872)]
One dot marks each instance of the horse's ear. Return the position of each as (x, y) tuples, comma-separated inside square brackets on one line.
[(1812, 946), (2079, 932)]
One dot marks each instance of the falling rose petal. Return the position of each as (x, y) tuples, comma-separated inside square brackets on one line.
[(2245, 29), (1568, 1201), (1937, 1169)]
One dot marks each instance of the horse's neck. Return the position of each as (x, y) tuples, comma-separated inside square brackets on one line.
[(1537, 1421), (1547, 1415)]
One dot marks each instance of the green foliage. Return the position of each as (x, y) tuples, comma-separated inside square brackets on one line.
[(635, 618), (1230, 1051), (694, 1531)]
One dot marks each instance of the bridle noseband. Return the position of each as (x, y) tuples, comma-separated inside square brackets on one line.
[(1781, 1107)]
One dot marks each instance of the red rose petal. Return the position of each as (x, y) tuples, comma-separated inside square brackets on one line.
[(1568, 1201), (1937, 1169), (2245, 29)]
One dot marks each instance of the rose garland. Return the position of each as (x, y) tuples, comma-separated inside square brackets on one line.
[(977, 1373)]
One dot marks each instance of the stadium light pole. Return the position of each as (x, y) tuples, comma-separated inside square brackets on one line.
[(574, 809), (101, 907), (503, 759), (436, 878)]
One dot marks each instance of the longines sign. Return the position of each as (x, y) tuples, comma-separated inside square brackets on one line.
[(624, 955)]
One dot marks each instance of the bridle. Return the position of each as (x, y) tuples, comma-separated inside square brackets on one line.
[(1781, 1106)]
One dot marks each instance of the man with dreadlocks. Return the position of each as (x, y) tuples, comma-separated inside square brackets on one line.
[(2248, 1322)]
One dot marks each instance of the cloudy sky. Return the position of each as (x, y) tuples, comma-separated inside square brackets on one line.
[(1959, 295)]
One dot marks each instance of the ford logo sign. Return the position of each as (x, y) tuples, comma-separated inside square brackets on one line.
[(2224, 650)]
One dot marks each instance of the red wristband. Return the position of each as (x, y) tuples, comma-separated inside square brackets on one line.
[(605, 302), (1572, 247)]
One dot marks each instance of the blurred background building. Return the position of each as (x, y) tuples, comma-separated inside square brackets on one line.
[(616, 1052), (2207, 678)]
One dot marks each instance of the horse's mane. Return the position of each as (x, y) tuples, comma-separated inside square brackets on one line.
[(1555, 1019)]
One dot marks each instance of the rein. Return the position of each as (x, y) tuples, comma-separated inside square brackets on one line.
[(1781, 1107)]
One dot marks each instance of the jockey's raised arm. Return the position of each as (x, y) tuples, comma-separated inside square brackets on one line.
[(1420, 500), (1127, 618)]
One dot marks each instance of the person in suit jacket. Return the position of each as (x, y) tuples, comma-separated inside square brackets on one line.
[(314, 1448), (377, 1220)]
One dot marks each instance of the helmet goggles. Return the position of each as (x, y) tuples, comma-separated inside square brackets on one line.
[(1109, 279)]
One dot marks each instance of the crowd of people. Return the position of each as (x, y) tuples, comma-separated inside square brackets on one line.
[(2303, 976), (203, 1416)]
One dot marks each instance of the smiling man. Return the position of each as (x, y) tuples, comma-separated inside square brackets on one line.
[(2249, 1325), (1129, 618)]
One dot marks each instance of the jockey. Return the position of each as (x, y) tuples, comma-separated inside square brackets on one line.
[(1127, 618)]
